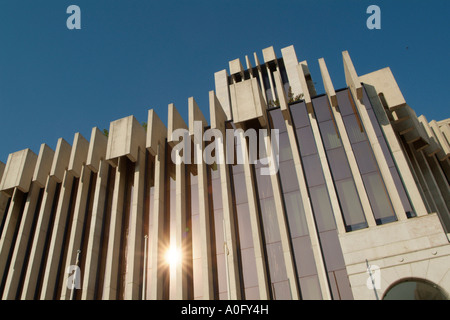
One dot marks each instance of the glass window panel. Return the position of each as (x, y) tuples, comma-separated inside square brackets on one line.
[(218, 229), (313, 170), (378, 198), (268, 211), (354, 128), (386, 152), (364, 157), (351, 206), (245, 228), (345, 291), (299, 114), (238, 168), (216, 193), (401, 191), (374, 121), (332, 250), (194, 199), (310, 288), (288, 176), (322, 108), (322, 208), (306, 141), (264, 185), (240, 191), (252, 293), (339, 164), (345, 106), (333, 286), (249, 267), (285, 151), (329, 135), (282, 291), (223, 296), (304, 257), (296, 214), (275, 258), (278, 120)]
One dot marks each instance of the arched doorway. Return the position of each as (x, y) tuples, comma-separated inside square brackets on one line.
[(415, 289)]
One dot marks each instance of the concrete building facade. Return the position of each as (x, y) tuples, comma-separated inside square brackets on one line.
[(358, 207)]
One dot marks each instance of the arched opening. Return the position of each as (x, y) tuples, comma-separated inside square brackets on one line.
[(415, 289)]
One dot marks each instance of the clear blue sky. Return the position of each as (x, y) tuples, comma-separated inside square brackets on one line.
[(134, 55)]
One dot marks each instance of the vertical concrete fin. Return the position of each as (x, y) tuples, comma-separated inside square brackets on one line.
[(61, 160), (327, 83), (223, 92), (19, 171), (78, 155), (43, 165), (174, 122), (351, 77), (97, 149), (290, 64), (156, 132)]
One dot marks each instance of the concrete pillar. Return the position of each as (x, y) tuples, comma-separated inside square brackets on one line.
[(322, 154), (76, 164), (257, 233), (218, 119), (223, 92), (431, 183), (440, 179), (78, 221), (196, 132), (30, 212), (158, 237), (356, 89), (418, 182), (283, 224), (309, 216), (398, 154), (16, 182), (57, 238), (12, 220), (181, 239), (110, 289), (89, 274), (175, 122), (135, 236), (290, 64), (261, 82), (156, 145), (312, 230), (367, 209), (59, 166), (97, 164), (421, 178)]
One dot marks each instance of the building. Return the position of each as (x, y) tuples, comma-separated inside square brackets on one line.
[(357, 208)]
